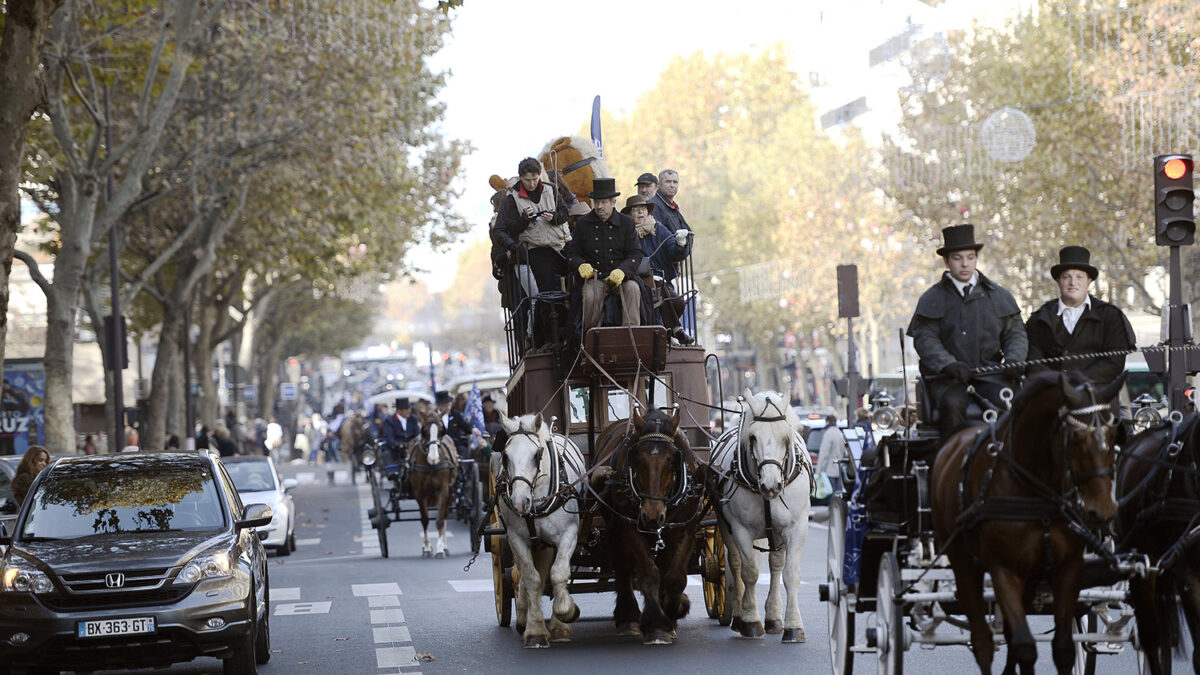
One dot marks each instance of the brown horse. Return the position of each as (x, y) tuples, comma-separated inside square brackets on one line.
[(1158, 494), (1006, 503), (433, 468), (652, 498)]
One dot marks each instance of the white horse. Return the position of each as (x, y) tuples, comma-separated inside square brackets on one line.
[(764, 483), (538, 499)]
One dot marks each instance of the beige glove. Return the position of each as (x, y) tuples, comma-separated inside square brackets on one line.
[(616, 276), (586, 271)]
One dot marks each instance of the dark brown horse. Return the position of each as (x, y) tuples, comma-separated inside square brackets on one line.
[(433, 468), (1158, 494), (652, 498), (1006, 503)]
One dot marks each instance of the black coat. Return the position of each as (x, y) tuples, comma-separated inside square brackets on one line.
[(1102, 328), (983, 329), (395, 434), (605, 245), (458, 427)]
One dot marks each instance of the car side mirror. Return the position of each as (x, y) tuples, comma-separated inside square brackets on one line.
[(9, 505), (255, 515), (5, 537), (289, 483)]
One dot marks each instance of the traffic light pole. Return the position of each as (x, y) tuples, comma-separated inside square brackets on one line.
[(851, 374), (1176, 332)]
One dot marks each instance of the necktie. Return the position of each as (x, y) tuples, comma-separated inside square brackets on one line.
[(967, 289)]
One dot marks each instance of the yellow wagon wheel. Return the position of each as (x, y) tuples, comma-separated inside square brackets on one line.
[(502, 566), (712, 560)]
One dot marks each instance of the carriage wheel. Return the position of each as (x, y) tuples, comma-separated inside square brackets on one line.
[(502, 579), (712, 562), (841, 619), (381, 520), (889, 618), (476, 514)]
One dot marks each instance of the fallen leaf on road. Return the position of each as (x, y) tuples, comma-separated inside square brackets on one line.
[(353, 552), (426, 657), (324, 510), (339, 639), (328, 552)]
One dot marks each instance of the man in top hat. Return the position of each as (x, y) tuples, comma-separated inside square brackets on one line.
[(605, 254), (401, 427), (1079, 323), (647, 186), (965, 321), (455, 422)]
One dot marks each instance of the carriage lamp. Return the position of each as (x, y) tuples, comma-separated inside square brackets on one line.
[(1145, 416), (884, 417), (368, 457)]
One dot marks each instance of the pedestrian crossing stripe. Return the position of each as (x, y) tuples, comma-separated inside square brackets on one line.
[(303, 608)]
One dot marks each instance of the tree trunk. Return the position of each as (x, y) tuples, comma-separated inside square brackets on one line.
[(165, 365), (24, 34), (177, 410), (207, 403)]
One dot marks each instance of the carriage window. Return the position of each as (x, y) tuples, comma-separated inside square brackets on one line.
[(618, 405), (658, 391), (577, 405)]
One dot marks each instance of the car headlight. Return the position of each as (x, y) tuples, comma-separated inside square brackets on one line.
[(204, 567), (21, 578)]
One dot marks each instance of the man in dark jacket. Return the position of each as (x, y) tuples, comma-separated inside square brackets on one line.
[(401, 428), (605, 254), (1079, 323), (965, 321), (457, 425)]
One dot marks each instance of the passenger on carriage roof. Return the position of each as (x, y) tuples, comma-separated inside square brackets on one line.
[(1079, 323), (965, 321), (647, 186), (660, 251), (605, 252)]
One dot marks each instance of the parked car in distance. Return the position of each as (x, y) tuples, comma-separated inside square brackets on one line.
[(133, 561), (258, 482)]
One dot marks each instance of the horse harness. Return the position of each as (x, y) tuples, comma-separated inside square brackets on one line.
[(557, 479), (451, 452), (1157, 505), (790, 469), (626, 482), (1047, 505)]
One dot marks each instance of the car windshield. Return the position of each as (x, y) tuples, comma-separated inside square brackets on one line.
[(82, 499), (251, 476)]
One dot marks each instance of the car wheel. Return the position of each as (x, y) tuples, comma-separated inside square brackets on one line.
[(291, 542), (285, 548), (241, 661), (262, 640)]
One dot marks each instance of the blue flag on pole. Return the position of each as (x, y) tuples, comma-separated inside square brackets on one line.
[(474, 409), (596, 125)]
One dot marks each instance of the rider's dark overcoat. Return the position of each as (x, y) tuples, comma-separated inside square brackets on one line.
[(1102, 327), (983, 329), (605, 244)]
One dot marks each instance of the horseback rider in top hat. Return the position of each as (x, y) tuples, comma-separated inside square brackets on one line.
[(1079, 323), (963, 322)]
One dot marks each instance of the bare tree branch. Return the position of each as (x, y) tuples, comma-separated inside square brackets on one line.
[(34, 272)]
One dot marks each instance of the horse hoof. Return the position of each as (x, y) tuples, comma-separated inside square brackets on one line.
[(628, 630), (793, 635), (752, 630), (520, 628), (571, 616), (536, 642), (774, 626), (674, 634), (560, 634), (442, 555), (736, 624), (685, 606), (658, 637), (426, 554)]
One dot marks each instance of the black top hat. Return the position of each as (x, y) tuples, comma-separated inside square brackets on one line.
[(958, 238), (402, 404), (1074, 258), (647, 179), (604, 188), (443, 396), (487, 399)]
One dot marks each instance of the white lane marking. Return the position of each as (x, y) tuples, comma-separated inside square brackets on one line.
[(303, 608), (391, 634), (387, 616), (306, 477), (285, 594), (312, 541), (383, 601), (471, 585), (361, 590), (396, 657)]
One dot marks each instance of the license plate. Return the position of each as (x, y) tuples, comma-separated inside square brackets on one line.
[(109, 627)]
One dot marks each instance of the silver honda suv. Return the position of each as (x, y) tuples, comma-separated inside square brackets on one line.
[(134, 560)]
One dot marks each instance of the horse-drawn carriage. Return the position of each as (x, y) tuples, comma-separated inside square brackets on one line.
[(1018, 496)]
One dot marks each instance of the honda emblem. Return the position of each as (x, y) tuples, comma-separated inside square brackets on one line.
[(114, 580)]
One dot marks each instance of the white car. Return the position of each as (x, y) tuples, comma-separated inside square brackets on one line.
[(258, 482)]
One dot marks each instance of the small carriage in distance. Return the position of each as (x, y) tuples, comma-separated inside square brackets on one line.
[(887, 558)]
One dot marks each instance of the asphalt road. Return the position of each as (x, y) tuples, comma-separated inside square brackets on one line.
[(338, 607)]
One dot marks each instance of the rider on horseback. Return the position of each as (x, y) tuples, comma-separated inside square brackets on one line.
[(964, 321)]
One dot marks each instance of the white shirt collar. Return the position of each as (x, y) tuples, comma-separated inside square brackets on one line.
[(1087, 304), (960, 285)]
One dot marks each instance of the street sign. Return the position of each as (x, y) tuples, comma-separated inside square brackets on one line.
[(287, 391), (250, 393)]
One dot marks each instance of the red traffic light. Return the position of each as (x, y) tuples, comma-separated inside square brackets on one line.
[(1176, 168)]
